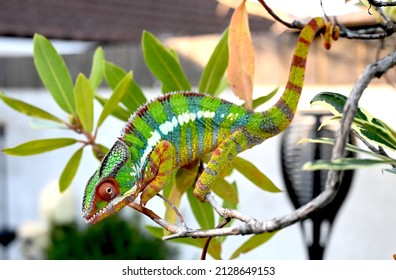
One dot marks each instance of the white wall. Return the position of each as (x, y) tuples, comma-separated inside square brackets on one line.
[(365, 227)]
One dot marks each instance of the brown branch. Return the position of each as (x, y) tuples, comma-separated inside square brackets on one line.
[(253, 226), (294, 25)]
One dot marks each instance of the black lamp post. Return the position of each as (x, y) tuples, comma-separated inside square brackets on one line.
[(302, 186)]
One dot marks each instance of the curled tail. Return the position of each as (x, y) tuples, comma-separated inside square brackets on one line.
[(281, 114)]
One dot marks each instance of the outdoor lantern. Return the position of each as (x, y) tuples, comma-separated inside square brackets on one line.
[(302, 186)]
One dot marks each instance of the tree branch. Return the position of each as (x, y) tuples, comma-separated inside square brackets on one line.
[(253, 226)]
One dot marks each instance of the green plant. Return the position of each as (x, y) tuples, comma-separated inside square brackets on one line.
[(114, 239), (373, 132)]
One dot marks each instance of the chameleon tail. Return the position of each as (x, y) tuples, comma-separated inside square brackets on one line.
[(283, 111)]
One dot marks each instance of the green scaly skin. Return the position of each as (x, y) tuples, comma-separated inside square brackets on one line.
[(177, 129)]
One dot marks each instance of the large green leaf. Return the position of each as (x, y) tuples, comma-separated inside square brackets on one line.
[(115, 98), (28, 109), (203, 212), (216, 67), (163, 64), (97, 70), (252, 173), (54, 73), (366, 125), (134, 96), (252, 243), (335, 103), (214, 248), (70, 170), (39, 146), (376, 132), (84, 97)]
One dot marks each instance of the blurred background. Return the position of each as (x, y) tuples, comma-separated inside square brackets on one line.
[(37, 222)]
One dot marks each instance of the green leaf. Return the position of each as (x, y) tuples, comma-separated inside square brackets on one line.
[(39, 146), (216, 67), (53, 73), (252, 243), (134, 96), (252, 173), (372, 129), (119, 112), (70, 170), (115, 98), (345, 163), (203, 212), (225, 190), (28, 109), (335, 102), (163, 64), (84, 96), (375, 133), (214, 248), (97, 70), (263, 99)]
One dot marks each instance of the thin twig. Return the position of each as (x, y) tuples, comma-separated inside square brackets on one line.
[(294, 25)]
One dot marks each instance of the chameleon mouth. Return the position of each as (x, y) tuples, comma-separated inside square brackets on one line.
[(92, 217)]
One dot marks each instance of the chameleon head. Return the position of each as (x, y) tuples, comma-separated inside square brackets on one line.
[(112, 187)]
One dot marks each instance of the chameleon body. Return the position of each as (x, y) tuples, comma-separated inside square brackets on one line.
[(176, 129)]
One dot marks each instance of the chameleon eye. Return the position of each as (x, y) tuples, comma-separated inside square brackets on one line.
[(107, 190)]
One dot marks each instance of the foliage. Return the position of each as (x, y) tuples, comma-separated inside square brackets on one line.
[(128, 242), (77, 100), (372, 131)]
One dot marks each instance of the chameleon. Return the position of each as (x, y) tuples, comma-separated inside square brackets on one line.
[(178, 128)]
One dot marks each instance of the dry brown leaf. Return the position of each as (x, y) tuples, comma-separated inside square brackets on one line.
[(241, 55)]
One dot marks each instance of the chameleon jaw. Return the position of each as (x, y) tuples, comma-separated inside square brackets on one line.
[(113, 207)]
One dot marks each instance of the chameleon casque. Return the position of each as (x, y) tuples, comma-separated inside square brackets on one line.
[(178, 128)]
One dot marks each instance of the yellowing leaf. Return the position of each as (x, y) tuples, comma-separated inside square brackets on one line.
[(84, 96), (241, 56), (70, 170), (97, 70)]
